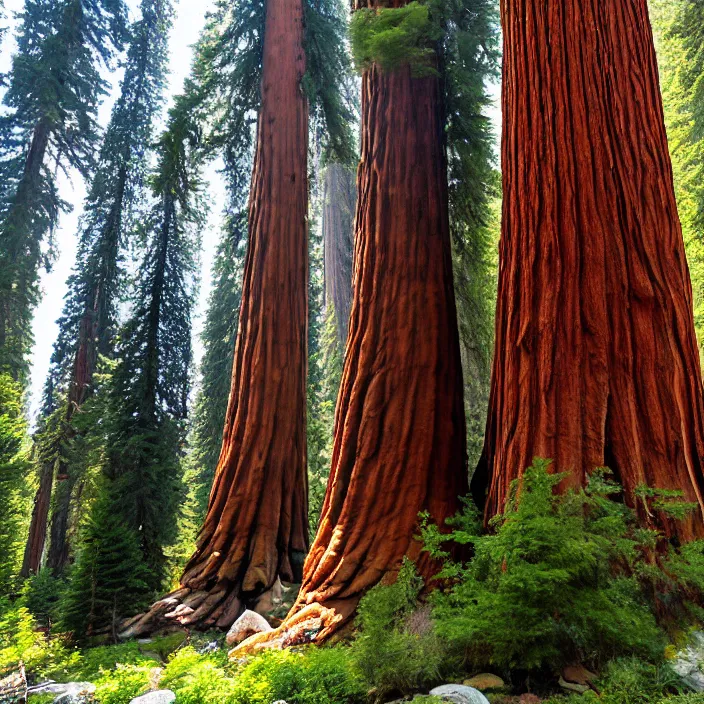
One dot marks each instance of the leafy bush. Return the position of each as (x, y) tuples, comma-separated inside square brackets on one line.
[(556, 583), (122, 684), (21, 641), (397, 649), (632, 681)]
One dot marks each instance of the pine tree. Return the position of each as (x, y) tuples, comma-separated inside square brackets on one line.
[(87, 326), (596, 355), (151, 383), (135, 514), (53, 95)]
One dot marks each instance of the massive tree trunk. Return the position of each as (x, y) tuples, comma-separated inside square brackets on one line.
[(256, 528), (399, 445), (339, 200), (596, 358)]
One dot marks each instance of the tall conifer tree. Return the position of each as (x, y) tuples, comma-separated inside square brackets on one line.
[(283, 60), (53, 95), (87, 326), (135, 513)]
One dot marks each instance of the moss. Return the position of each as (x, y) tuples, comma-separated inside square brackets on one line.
[(394, 37)]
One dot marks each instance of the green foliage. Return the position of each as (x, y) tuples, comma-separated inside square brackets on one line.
[(563, 566), (124, 683), (394, 37), (14, 488), (20, 640), (632, 681), (679, 39), (315, 676), (397, 649), (109, 579)]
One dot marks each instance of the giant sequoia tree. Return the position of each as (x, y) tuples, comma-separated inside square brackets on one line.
[(256, 527), (596, 358), (53, 95), (399, 446), (86, 329)]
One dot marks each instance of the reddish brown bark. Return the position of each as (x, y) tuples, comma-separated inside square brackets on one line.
[(399, 445), (596, 357), (256, 528), (339, 200)]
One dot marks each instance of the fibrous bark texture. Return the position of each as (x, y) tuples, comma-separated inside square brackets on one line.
[(256, 528), (596, 358), (399, 443), (339, 201)]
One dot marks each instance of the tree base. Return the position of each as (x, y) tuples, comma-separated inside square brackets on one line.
[(199, 610), (313, 623)]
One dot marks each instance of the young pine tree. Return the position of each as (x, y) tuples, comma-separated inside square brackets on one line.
[(53, 94)]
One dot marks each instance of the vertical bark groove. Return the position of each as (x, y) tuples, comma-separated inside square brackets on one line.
[(596, 356)]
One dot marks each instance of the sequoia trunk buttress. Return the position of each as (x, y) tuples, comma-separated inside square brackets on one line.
[(596, 358), (256, 528), (399, 442)]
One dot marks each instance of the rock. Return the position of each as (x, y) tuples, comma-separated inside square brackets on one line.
[(573, 686), (248, 624), (689, 662), (163, 696), (459, 694), (577, 674), (485, 682), (211, 647), (14, 687), (69, 693)]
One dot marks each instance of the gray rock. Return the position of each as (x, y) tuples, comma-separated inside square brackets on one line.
[(459, 694), (211, 647), (689, 662), (162, 696), (248, 624)]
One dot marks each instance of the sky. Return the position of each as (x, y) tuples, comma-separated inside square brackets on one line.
[(187, 26)]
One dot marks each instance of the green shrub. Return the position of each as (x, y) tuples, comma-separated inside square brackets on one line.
[(554, 584), (314, 676), (397, 649), (632, 681), (392, 37), (122, 684), (21, 641)]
